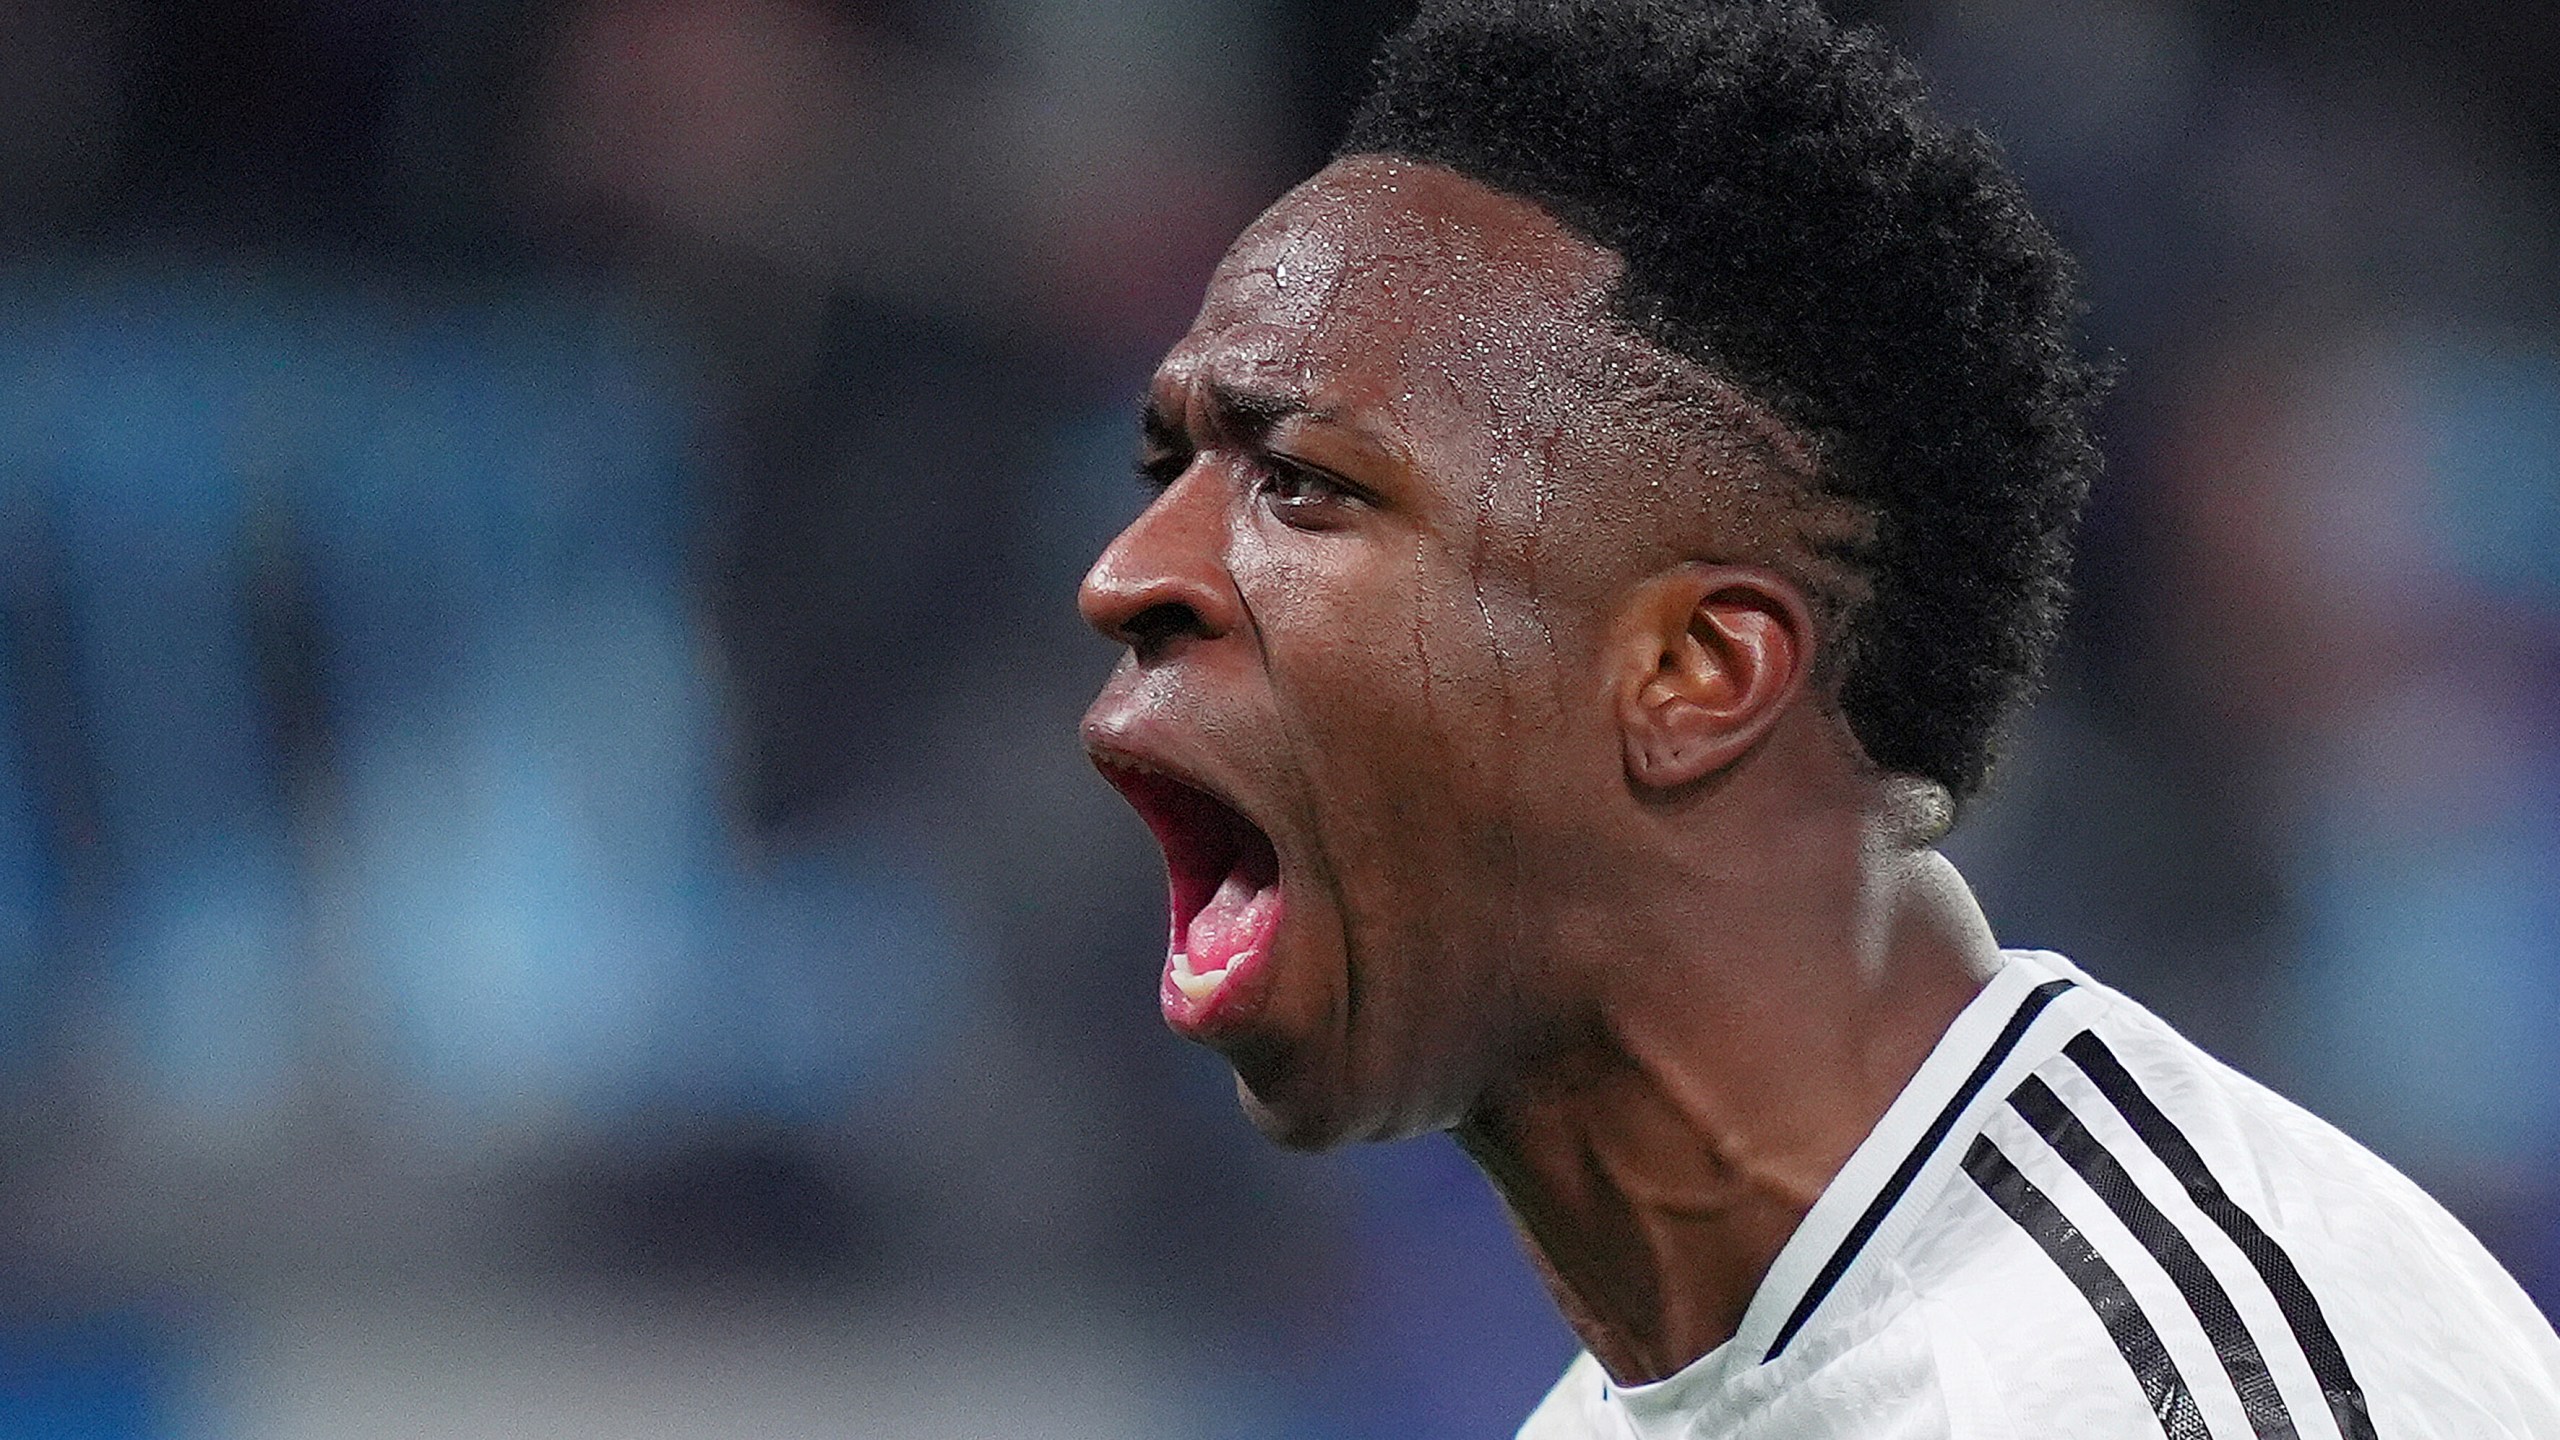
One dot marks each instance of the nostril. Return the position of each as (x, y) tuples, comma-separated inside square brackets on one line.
[(1158, 624)]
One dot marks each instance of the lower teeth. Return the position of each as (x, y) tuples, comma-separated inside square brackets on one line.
[(1199, 986)]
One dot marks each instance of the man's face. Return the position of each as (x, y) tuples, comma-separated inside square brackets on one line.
[(1365, 700)]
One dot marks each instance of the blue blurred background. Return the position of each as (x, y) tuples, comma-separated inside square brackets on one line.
[(546, 885)]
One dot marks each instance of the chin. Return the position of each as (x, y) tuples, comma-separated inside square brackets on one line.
[(1296, 1115), (1288, 1115), (1288, 1126)]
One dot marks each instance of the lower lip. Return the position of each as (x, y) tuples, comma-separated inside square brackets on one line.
[(1239, 997)]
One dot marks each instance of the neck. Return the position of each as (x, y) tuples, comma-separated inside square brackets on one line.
[(1656, 1168)]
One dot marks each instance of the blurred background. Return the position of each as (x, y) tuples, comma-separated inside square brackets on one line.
[(546, 884)]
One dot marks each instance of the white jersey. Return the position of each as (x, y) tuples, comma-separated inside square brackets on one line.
[(2075, 1225)]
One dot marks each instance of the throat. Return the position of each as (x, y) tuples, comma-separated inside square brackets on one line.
[(1652, 1232)]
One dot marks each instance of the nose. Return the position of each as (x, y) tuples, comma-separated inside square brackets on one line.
[(1165, 578)]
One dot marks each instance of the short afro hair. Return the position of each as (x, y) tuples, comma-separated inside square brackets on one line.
[(1794, 217)]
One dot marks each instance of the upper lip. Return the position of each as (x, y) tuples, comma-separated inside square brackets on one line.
[(1114, 747), (1128, 731), (1197, 849)]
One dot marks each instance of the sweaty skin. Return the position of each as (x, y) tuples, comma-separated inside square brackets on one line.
[(1506, 629)]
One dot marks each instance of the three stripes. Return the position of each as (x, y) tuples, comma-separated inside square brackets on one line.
[(2132, 1331), (2106, 1292)]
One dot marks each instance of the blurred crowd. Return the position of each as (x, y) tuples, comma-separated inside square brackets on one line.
[(546, 882)]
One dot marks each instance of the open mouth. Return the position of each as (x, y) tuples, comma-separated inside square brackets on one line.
[(1224, 879)]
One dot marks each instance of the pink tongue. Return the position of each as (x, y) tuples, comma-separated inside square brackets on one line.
[(1233, 922)]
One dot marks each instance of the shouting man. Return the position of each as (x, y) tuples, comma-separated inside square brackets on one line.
[(1602, 520)]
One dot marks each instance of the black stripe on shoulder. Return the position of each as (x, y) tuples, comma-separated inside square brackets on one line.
[(2098, 1283), (2301, 1309), (2040, 1107), (1903, 1174)]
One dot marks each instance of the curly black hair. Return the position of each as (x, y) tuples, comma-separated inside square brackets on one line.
[(1794, 217)]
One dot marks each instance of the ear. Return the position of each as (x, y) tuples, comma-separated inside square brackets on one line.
[(1713, 655)]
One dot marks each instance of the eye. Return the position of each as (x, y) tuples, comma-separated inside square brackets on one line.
[(1304, 497)]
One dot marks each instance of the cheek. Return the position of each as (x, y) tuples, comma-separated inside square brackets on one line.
[(1402, 705), (1384, 664)]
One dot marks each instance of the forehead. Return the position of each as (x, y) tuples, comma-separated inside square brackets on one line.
[(1388, 281)]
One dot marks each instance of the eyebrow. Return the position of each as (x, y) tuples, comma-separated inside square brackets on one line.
[(1249, 413)]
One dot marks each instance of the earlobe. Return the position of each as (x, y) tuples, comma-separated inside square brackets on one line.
[(1717, 654)]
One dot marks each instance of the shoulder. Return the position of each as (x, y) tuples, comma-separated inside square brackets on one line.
[(2143, 1230), (2104, 1232)]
